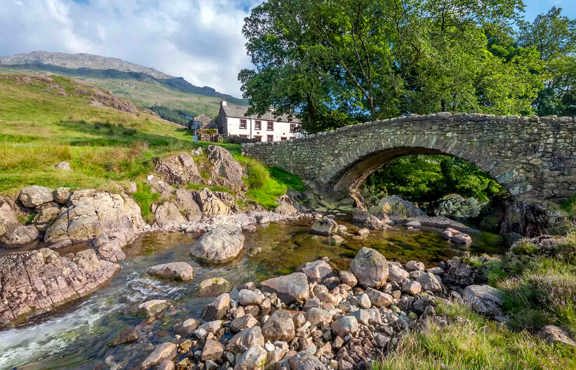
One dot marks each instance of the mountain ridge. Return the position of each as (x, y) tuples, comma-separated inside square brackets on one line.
[(96, 67)]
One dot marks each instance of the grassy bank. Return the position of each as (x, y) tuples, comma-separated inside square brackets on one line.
[(538, 289), (46, 120)]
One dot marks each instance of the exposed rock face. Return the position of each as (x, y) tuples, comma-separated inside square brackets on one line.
[(178, 169), (226, 170), (34, 196), (370, 267), (221, 244), (17, 235), (93, 213), (483, 299), (46, 214), (554, 333), (174, 270), (167, 215), (187, 205), (286, 207), (290, 288), (33, 283), (210, 204)]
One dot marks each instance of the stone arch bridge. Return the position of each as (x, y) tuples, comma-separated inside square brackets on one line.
[(534, 158)]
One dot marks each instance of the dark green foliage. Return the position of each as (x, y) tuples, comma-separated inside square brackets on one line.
[(340, 62), (426, 178), (179, 116), (292, 181)]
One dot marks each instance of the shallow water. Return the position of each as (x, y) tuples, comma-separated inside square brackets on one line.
[(78, 336)]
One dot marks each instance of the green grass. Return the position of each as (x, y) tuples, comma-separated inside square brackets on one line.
[(473, 342), (45, 121), (145, 198), (292, 181)]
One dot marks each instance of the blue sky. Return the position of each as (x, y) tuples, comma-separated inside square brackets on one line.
[(200, 40)]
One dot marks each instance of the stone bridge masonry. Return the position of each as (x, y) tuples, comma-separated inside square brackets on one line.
[(533, 157)]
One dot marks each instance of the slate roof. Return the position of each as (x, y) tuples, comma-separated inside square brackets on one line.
[(239, 111)]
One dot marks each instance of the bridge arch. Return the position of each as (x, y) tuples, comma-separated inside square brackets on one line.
[(533, 158)]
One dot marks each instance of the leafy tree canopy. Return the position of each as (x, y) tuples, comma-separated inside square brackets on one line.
[(340, 62)]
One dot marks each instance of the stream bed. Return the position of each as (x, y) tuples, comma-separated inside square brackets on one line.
[(78, 336)]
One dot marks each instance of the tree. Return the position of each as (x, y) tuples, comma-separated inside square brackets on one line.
[(341, 62), (554, 36)]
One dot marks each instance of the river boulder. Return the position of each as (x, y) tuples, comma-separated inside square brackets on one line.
[(16, 235), (174, 270), (221, 244), (324, 226), (290, 288), (92, 213), (370, 268), (279, 326)]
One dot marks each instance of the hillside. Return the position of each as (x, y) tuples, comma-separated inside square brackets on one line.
[(48, 119), (146, 87)]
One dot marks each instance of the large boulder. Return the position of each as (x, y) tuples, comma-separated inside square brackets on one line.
[(219, 245), (178, 169), (34, 196), (8, 215), (317, 270), (210, 204), (167, 215), (456, 206), (290, 288), (325, 226), (483, 299), (396, 207), (17, 235), (174, 270), (226, 171), (93, 213), (36, 282), (370, 268), (187, 205), (555, 334), (279, 326)]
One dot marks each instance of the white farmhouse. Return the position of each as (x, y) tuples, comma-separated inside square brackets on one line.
[(233, 121)]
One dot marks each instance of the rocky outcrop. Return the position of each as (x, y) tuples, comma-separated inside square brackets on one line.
[(17, 235), (210, 204), (226, 171), (94, 213), (219, 245), (178, 169), (167, 215), (33, 283), (187, 205)]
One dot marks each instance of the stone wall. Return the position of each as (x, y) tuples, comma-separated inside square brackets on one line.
[(533, 157)]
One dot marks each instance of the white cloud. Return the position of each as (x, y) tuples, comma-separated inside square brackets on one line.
[(199, 40)]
